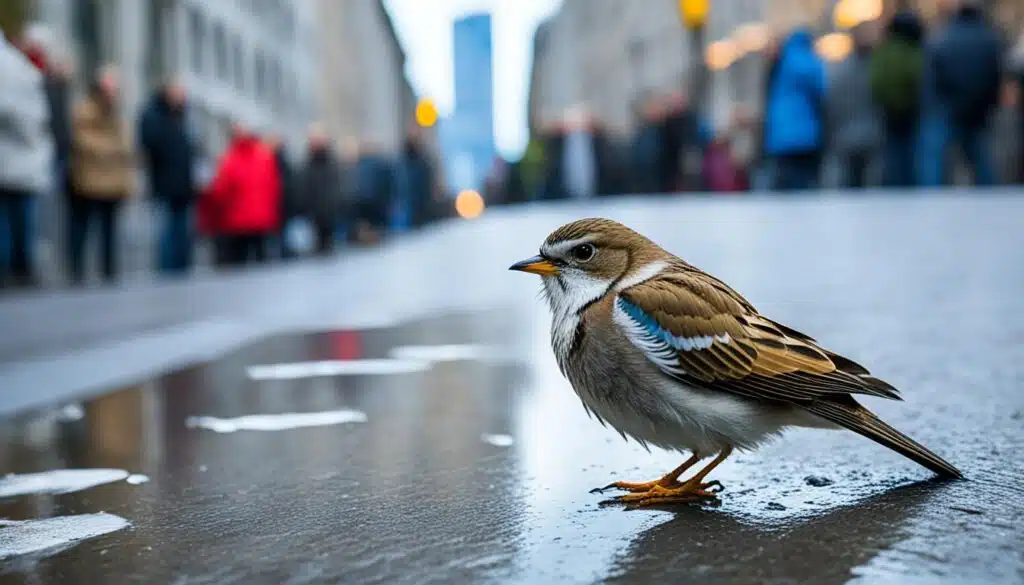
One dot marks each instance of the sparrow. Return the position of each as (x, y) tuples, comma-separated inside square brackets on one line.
[(672, 357)]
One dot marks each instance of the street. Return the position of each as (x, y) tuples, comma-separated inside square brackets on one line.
[(395, 415)]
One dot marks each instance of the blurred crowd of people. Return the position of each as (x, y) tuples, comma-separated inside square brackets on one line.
[(890, 114), (254, 205)]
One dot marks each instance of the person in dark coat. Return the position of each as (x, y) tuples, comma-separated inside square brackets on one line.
[(290, 206), (648, 168), (374, 190), (415, 181), (170, 156), (554, 165), (966, 69), (682, 145), (896, 69), (320, 191)]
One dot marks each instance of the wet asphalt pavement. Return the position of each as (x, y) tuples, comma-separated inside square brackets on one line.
[(473, 460)]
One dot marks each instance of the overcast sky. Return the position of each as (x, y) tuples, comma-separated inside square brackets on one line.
[(425, 29)]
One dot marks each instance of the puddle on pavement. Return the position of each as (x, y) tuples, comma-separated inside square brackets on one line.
[(473, 466)]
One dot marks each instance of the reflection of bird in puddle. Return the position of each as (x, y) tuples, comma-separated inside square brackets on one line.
[(672, 357), (722, 548)]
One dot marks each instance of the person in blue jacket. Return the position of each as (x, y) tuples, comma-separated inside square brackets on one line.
[(794, 113)]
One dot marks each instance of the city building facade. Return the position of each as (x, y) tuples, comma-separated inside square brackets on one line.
[(250, 61), (364, 96)]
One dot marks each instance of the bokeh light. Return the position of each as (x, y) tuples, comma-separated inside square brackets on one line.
[(834, 46), (751, 38), (426, 113), (720, 55), (469, 204), (849, 13)]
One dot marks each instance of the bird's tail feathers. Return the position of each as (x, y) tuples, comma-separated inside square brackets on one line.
[(863, 422)]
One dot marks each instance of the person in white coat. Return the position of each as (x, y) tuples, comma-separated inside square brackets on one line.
[(26, 149)]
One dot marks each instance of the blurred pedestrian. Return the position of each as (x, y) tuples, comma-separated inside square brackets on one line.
[(242, 205), (611, 156), (721, 169), (374, 188), (965, 69), (42, 47), (171, 160), (554, 158), (102, 174), (1015, 98), (532, 167), (855, 125), (682, 145), (289, 196), (896, 70), (795, 113), (414, 183), (763, 165), (26, 152), (320, 190), (580, 165), (648, 146)]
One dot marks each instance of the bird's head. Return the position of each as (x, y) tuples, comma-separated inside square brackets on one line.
[(582, 261)]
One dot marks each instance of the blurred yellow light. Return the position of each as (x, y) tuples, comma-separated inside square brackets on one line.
[(469, 204), (834, 46), (751, 38), (850, 13), (426, 113), (694, 12), (720, 55)]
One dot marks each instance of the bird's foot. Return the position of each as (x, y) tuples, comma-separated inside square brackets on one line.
[(664, 482), (681, 493)]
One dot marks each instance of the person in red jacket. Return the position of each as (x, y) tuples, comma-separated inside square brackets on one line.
[(241, 207)]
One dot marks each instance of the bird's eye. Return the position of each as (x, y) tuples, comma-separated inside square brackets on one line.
[(583, 252)]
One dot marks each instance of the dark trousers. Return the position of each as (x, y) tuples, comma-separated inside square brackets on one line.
[(176, 239), (973, 140), (796, 172), (854, 167), (14, 220), (241, 249), (324, 233), (83, 213), (900, 158)]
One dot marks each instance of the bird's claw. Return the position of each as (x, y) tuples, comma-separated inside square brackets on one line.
[(682, 494), (713, 487)]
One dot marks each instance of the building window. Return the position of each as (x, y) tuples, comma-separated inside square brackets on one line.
[(261, 75), (220, 51), (238, 63), (197, 39)]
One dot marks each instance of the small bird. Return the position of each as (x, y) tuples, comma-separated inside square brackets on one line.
[(670, 356)]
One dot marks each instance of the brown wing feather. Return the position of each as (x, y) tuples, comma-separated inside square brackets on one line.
[(749, 354)]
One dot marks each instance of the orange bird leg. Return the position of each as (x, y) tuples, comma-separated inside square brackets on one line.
[(666, 481), (692, 490)]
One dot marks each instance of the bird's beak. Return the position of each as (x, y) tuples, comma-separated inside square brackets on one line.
[(536, 265)]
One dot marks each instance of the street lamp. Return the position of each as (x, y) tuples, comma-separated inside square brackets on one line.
[(694, 14)]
